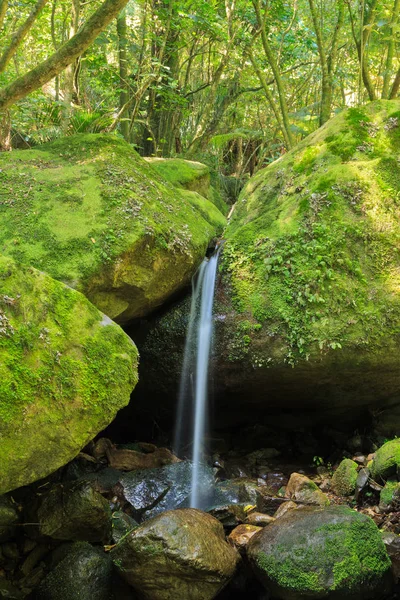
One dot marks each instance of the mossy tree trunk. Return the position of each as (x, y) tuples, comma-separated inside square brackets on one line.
[(123, 73), (64, 56), (391, 49), (69, 76), (5, 131)]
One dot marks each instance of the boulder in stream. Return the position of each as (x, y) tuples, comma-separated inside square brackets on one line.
[(178, 554), (333, 553)]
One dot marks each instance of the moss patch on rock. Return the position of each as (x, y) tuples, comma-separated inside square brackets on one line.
[(312, 254), (65, 370), (90, 212), (190, 175)]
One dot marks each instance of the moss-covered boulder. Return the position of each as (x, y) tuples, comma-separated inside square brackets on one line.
[(344, 479), (178, 554), (334, 553), (310, 303), (65, 370), (386, 461), (90, 212)]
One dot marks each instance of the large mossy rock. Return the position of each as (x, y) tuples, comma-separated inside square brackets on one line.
[(312, 270), (178, 554), (90, 212), (65, 370), (307, 315), (334, 553)]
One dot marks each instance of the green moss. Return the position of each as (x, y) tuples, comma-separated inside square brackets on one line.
[(386, 460), (345, 478), (345, 556), (190, 175), (310, 238), (289, 575), (389, 493), (64, 373), (90, 212)]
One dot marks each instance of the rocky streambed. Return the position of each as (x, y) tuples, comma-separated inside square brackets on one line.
[(115, 523)]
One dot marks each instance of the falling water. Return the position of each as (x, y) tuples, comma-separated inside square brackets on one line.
[(194, 379)]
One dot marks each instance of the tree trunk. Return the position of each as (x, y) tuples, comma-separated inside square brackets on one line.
[(5, 131), (69, 76), (390, 50), (123, 73), (63, 57)]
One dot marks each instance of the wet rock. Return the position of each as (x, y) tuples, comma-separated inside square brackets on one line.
[(84, 572), (151, 491), (389, 498), (9, 591), (178, 554), (392, 543), (8, 518), (127, 460), (75, 511), (241, 535), (230, 515), (237, 491), (285, 508), (268, 503), (386, 461), (334, 553), (301, 489), (344, 479), (260, 519), (362, 480), (121, 525)]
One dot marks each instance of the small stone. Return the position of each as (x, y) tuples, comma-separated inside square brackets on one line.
[(301, 489), (359, 459), (241, 535), (260, 519)]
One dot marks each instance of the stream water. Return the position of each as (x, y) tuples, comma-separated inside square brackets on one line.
[(192, 412)]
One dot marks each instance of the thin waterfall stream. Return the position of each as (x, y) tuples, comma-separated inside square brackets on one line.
[(193, 391)]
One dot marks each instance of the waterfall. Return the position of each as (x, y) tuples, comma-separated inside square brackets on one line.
[(193, 392)]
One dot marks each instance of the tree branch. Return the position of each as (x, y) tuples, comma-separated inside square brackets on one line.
[(18, 36), (66, 55)]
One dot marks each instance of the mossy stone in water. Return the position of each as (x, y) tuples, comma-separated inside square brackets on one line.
[(65, 370), (344, 479), (334, 553), (90, 212), (386, 460)]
